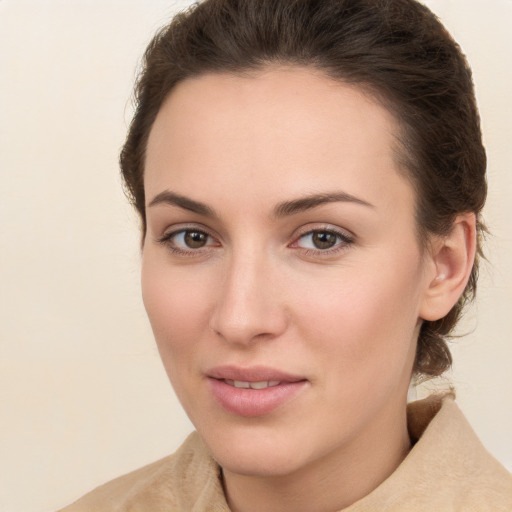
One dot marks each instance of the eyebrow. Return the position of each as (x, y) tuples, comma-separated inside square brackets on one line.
[(171, 198), (284, 209), (312, 201)]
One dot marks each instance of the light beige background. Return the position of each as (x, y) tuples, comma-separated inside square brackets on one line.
[(83, 396)]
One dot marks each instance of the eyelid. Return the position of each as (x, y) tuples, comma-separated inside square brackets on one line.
[(316, 227), (166, 238), (346, 238)]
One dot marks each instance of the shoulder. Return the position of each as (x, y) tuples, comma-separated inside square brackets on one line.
[(448, 439), (450, 445), (447, 469), (178, 482)]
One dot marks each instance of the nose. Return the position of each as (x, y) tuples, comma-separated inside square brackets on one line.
[(249, 305)]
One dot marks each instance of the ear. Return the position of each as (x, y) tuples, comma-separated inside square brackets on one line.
[(452, 258)]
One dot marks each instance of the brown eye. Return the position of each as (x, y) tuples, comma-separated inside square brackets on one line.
[(195, 239), (188, 241), (324, 239)]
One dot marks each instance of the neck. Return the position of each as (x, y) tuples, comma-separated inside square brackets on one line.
[(331, 483)]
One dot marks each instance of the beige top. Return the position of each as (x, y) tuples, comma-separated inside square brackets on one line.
[(448, 469)]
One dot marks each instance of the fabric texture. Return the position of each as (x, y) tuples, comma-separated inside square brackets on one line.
[(447, 470)]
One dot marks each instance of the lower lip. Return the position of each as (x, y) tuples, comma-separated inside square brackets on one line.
[(253, 402)]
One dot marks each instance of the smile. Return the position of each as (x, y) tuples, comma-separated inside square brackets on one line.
[(254, 391), (252, 385)]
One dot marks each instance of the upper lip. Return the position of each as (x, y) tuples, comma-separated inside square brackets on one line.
[(252, 374)]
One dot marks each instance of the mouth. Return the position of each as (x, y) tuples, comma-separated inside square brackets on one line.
[(252, 375), (241, 384), (254, 391)]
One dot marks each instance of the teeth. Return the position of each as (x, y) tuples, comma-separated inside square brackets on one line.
[(259, 385), (253, 385)]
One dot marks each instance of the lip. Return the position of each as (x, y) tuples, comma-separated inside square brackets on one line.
[(252, 374), (253, 402)]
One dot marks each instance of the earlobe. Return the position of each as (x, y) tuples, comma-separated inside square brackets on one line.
[(453, 256)]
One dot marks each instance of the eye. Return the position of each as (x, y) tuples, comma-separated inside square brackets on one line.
[(322, 240), (191, 239), (187, 241), (319, 240)]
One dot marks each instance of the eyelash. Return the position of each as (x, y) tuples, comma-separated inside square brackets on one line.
[(167, 241), (343, 241)]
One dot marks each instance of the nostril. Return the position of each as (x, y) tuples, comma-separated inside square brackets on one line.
[(247, 309)]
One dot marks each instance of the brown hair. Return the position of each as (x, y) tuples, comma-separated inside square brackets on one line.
[(397, 49)]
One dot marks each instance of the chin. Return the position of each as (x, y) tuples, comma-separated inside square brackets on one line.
[(262, 465), (257, 452)]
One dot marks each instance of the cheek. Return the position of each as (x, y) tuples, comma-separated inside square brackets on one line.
[(367, 323), (177, 305)]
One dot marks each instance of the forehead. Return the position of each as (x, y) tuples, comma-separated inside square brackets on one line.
[(291, 127)]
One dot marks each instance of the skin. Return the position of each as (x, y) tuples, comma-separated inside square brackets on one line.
[(259, 292)]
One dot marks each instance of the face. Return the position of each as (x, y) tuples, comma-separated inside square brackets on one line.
[(281, 270)]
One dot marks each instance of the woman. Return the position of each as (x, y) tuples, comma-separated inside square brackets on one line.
[(309, 177)]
